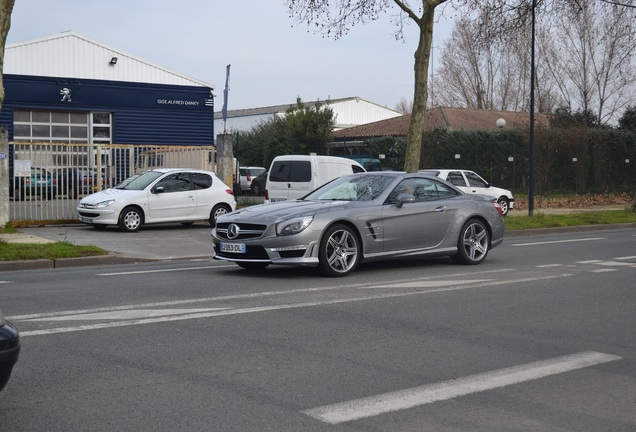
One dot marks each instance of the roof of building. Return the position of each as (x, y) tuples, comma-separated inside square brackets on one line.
[(280, 109), (451, 119), (71, 55)]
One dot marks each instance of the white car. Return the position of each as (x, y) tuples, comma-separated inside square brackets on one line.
[(471, 182), (159, 196)]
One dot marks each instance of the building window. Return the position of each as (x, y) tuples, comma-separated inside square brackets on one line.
[(61, 127)]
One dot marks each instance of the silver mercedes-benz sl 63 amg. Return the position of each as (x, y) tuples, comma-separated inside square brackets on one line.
[(362, 217)]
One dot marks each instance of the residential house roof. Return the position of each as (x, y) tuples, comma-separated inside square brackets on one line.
[(451, 119)]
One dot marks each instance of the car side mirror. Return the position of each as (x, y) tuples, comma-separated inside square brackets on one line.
[(404, 198), (158, 189)]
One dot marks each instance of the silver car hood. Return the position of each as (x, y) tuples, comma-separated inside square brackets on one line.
[(283, 210)]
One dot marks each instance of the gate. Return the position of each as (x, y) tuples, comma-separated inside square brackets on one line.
[(47, 180)]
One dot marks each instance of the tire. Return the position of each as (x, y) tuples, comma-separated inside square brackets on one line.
[(218, 210), (473, 243), (130, 219), (256, 189), (339, 252), (504, 204), (252, 266)]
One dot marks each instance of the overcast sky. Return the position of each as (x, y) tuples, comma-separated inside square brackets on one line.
[(274, 60)]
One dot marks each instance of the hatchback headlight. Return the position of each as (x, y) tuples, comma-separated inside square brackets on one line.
[(293, 226), (104, 204)]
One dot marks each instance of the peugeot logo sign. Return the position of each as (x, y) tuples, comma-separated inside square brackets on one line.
[(233, 231)]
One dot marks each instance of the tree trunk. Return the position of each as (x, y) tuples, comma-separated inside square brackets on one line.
[(422, 57)]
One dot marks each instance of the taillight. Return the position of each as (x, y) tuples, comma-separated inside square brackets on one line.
[(249, 178), (229, 191), (266, 194), (498, 207)]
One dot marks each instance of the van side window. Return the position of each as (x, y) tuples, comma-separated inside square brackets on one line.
[(300, 171), (357, 169)]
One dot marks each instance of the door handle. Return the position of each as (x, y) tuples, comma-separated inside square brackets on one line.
[(440, 209)]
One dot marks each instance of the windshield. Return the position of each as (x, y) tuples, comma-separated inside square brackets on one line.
[(360, 187), (139, 181)]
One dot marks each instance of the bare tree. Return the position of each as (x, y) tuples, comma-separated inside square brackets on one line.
[(404, 106), (335, 18), (585, 49), (6, 8)]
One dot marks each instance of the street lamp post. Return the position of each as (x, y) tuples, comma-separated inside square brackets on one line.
[(531, 180)]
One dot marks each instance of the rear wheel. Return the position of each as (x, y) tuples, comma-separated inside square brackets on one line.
[(339, 251), (256, 189), (130, 219), (473, 244), (218, 211)]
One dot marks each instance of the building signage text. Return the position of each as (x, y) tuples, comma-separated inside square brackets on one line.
[(177, 102)]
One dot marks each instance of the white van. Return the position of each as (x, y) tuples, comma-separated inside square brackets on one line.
[(293, 176)]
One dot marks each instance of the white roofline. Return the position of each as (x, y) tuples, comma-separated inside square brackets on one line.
[(117, 51)]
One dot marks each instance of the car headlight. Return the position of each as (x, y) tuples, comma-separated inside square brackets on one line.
[(293, 226), (104, 204)]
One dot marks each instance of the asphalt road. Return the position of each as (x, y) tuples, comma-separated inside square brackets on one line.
[(539, 337)]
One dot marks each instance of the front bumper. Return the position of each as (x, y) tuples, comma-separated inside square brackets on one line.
[(282, 253)]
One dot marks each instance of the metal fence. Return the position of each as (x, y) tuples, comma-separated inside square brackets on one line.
[(47, 180)]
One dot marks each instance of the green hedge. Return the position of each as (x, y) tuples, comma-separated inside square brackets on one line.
[(575, 160)]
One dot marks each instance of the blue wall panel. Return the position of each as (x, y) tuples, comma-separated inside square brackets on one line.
[(142, 113)]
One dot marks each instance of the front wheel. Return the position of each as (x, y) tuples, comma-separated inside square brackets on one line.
[(218, 211), (473, 243), (339, 252), (504, 204), (130, 219)]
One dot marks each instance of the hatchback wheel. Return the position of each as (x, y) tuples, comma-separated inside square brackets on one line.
[(130, 219), (473, 243), (218, 211), (339, 251)]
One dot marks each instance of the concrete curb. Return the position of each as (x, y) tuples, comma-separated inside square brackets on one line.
[(43, 264)]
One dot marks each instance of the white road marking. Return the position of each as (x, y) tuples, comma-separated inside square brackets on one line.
[(416, 396), (549, 265), (626, 258), (6, 281), (430, 283), (588, 262), (163, 270), (126, 314), (559, 241), (602, 270), (225, 312)]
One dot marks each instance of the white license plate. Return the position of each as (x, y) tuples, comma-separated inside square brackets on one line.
[(85, 219), (233, 247)]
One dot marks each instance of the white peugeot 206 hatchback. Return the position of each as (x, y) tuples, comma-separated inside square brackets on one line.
[(159, 196)]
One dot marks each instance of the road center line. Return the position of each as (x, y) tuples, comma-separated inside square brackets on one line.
[(426, 394)]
